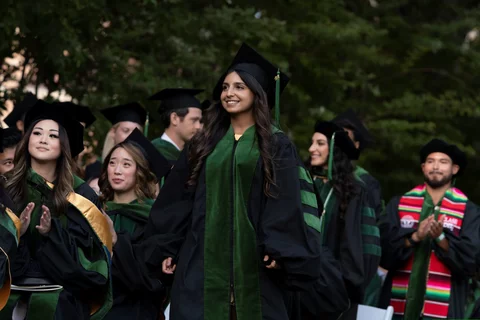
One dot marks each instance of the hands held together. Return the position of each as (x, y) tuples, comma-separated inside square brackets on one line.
[(428, 227)]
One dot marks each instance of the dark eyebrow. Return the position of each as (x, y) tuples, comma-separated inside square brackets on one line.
[(237, 83), (38, 128)]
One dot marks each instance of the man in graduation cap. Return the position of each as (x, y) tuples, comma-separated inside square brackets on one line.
[(430, 239), (181, 114), (17, 115), (124, 119), (362, 139)]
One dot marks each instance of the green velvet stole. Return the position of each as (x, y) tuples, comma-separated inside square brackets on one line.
[(418, 278), (129, 214), (167, 149), (359, 171), (229, 175)]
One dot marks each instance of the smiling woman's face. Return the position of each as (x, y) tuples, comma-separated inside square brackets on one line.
[(44, 142), (236, 97), (318, 150)]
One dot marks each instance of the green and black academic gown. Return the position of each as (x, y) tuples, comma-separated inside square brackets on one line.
[(73, 255), (460, 258), (219, 231), (9, 236), (353, 240), (374, 191), (136, 294), (167, 149)]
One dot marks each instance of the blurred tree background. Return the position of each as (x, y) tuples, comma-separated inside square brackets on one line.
[(410, 68)]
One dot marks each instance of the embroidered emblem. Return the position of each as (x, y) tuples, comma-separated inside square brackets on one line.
[(407, 222)]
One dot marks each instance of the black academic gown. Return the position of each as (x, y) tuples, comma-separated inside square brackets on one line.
[(55, 258), (345, 241), (138, 295), (178, 221), (374, 190), (460, 258)]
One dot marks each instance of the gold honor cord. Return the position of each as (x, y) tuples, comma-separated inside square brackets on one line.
[(5, 290)]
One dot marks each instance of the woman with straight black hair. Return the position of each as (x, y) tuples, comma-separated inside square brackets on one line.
[(63, 259)]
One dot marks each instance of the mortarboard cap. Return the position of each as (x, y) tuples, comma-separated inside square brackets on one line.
[(177, 98), (437, 145), (132, 111), (79, 112), (251, 62), (11, 137), (43, 111), (159, 165), (350, 120), (206, 103), (20, 109), (93, 170), (342, 140)]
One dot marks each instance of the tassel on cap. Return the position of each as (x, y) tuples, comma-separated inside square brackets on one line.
[(330, 157), (277, 99), (147, 124)]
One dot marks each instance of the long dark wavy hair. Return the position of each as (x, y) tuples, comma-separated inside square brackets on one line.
[(217, 122), (17, 182), (145, 178), (343, 179)]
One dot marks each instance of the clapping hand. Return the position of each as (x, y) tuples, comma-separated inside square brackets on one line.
[(45, 221), (25, 217)]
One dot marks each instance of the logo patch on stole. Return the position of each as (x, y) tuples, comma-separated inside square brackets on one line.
[(407, 222)]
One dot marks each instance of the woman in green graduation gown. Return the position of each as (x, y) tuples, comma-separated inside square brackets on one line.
[(127, 183), (244, 229), (348, 226), (68, 241)]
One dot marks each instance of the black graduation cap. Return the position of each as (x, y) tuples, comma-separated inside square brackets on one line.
[(93, 170), (11, 137), (177, 98), (342, 140), (20, 109), (350, 120), (251, 62), (79, 112), (206, 103), (43, 110), (132, 111), (437, 145), (159, 165)]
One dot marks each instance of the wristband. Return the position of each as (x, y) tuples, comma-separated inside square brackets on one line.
[(412, 242), (440, 237)]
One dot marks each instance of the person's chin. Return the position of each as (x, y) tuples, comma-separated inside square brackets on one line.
[(318, 163)]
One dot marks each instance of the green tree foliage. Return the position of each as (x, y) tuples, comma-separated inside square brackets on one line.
[(409, 68)]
